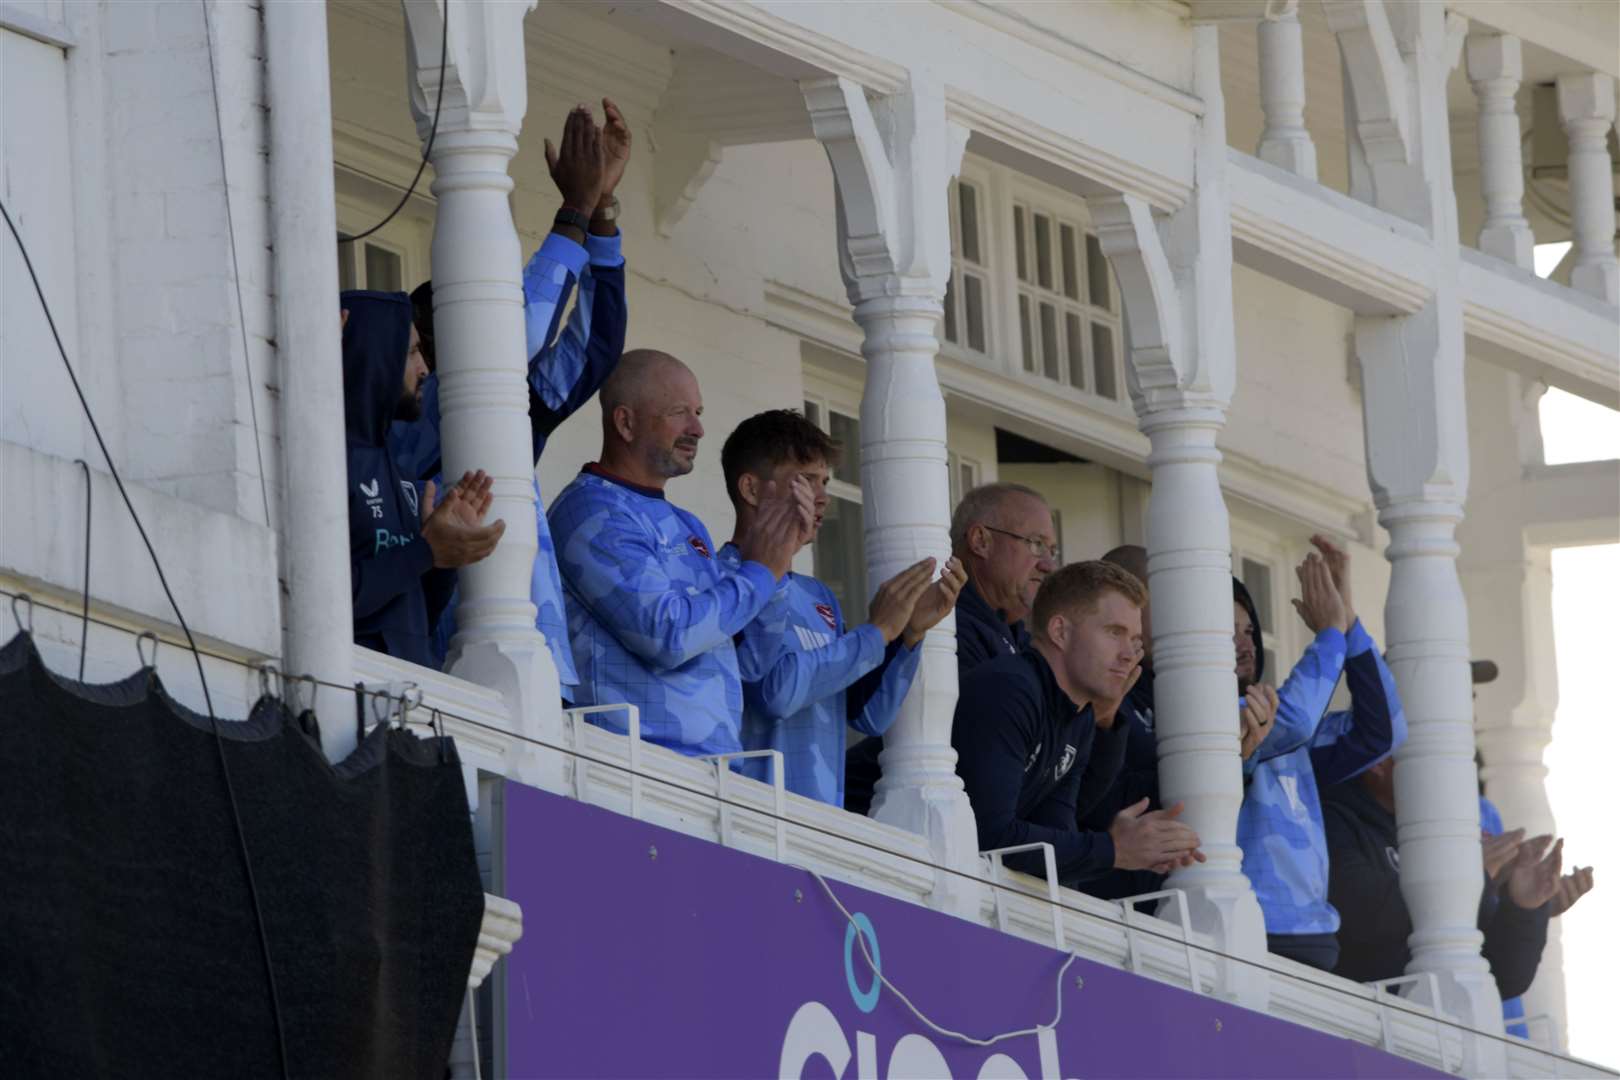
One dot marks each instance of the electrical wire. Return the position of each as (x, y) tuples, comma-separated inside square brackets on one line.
[(860, 936), (219, 742), (438, 715), (427, 148), (236, 266)]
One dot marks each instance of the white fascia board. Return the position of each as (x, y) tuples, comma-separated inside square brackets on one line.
[(1101, 120), (224, 569), (1541, 329), (1325, 243), (1583, 32), (1572, 505)]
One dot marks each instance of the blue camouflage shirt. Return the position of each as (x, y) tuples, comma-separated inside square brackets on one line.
[(805, 677), (1280, 823), (564, 371), (652, 612)]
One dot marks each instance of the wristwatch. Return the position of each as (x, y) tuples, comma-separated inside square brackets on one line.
[(610, 212), (569, 216)]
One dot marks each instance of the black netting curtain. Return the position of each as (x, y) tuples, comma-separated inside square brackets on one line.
[(128, 942)]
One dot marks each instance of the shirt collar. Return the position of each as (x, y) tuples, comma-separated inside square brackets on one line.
[(595, 469)]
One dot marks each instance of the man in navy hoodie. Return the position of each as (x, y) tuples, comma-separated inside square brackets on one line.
[(402, 542)]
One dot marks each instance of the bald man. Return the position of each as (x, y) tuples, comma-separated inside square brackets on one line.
[(651, 612)]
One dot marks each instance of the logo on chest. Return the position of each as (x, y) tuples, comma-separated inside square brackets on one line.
[(810, 640), (699, 546), (1290, 786), (826, 612), (1067, 762)]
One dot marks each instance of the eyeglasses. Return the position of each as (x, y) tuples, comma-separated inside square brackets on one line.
[(1037, 546)]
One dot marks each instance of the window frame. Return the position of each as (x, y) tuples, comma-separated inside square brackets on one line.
[(981, 178)]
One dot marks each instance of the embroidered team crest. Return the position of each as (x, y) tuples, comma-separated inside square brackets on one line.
[(410, 496), (1394, 857), (1064, 765), (826, 612), (699, 546)]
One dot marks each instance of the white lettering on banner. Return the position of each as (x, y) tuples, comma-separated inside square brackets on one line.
[(814, 1032)]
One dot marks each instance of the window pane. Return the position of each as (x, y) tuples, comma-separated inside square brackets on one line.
[(1097, 274), (1071, 279), (384, 270), (968, 199), (812, 413), (840, 557), (1077, 356), (1025, 330), (1102, 361), (345, 257), (1049, 341), (973, 294), (1018, 243), (1043, 251), (1257, 578), (965, 481), (847, 430), (950, 308)]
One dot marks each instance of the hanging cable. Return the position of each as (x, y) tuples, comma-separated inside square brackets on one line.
[(427, 148), (84, 633), (236, 266), (219, 742)]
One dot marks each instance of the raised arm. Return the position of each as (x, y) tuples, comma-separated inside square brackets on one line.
[(1375, 725)]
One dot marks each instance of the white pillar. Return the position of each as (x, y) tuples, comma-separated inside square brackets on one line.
[(478, 323), (1509, 590), (319, 634), (1285, 142), (1495, 68), (1413, 403), (894, 250), (1176, 285), (1586, 107)]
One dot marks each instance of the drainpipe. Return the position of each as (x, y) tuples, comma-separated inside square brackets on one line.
[(318, 637)]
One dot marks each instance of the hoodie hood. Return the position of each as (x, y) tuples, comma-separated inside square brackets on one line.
[(1241, 595), (375, 341)]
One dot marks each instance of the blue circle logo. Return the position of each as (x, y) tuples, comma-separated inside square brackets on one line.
[(865, 1000)]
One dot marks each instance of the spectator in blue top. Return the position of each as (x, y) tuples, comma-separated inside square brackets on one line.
[(805, 675), (564, 371), (651, 611), (1280, 822)]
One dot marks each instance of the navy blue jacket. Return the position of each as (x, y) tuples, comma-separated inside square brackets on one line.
[(1022, 748), (981, 635), (396, 591)]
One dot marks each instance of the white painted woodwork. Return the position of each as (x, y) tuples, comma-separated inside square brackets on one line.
[(478, 323), (1285, 142), (1586, 108), (315, 535), (1412, 370), (1495, 68), (892, 161), (1176, 285)]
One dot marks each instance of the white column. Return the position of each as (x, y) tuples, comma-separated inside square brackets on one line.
[(1413, 403), (1586, 107), (1285, 142), (894, 250), (319, 635), (1176, 284), (1495, 68), (478, 323)]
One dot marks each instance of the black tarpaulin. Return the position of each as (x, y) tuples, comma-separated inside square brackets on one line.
[(128, 945)]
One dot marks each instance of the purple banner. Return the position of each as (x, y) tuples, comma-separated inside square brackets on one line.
[(647, 953)]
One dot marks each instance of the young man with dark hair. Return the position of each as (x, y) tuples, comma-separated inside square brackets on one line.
[(1025, 724), (805, 675)]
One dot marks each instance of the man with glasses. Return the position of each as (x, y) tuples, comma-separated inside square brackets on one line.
[(1004, 537)]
